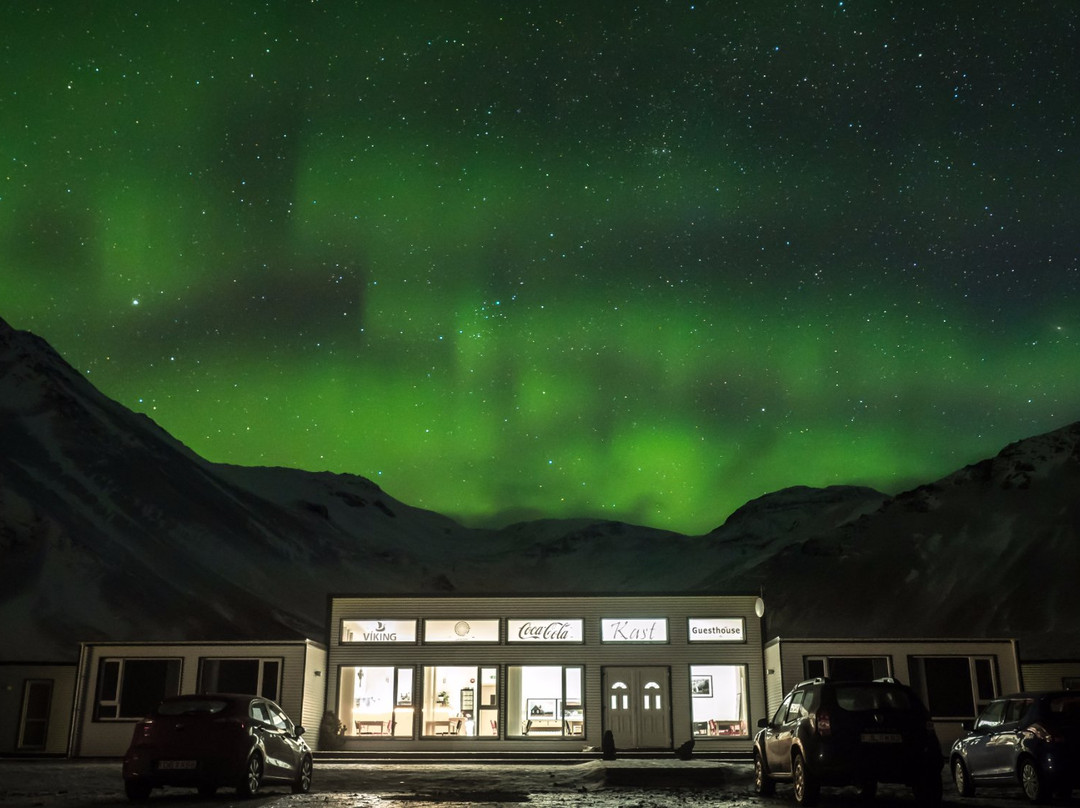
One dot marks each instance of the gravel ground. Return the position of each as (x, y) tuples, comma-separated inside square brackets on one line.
[(597, 784)]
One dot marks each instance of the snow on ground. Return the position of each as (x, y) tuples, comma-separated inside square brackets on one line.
[(659, 783)]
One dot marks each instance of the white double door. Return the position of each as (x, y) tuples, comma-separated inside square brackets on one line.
[(637, 707)]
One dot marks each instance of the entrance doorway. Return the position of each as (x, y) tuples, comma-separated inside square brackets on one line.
[(637, 707)]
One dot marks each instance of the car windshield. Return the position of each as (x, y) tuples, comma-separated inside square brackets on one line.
[(1068, 707), (856, 697), (190, 706)]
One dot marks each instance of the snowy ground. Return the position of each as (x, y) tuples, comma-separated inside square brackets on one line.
[(597, 784)]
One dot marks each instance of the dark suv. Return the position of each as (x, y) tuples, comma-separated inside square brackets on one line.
[(849, 733)]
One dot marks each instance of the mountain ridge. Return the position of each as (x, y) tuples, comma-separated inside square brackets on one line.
[(111, 529)]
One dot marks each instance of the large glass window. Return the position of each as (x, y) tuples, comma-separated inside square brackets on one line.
[(719, 702), (460, 700), (545, 701), (259, 677), (953, 687), (129, 689), (847, 668), (376, 702)]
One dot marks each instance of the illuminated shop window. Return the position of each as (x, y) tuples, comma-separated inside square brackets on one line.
[(378, 632), (718, 704), (376, 702), (544, 701), (460, 700), (461, 631)]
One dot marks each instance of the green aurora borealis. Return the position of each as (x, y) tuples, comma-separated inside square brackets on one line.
[(510, 260)]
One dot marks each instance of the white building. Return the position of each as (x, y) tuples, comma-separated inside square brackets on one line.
[(551, 673), (954, 678), (120, 683), (35, 707)]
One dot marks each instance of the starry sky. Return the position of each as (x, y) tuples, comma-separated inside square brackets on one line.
[(637, 261)]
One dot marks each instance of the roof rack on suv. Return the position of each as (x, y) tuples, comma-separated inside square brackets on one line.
[(818, 680)]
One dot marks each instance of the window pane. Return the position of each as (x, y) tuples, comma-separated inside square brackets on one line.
[(368, 703), (270, 675), (984, 679), (854, 669), (718, 706), (450, 696), (948, 686), (145, 682)]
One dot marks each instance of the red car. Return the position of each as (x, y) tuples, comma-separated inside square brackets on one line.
[(208, 741)]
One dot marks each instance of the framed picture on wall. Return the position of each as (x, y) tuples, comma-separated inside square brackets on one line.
[(701, 686), (540, 708)]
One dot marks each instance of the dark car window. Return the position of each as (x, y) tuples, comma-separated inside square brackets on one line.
[(856, 697), (260, 713), (278, 718), (782, 710), (992, 716), (1016, 710), (797, 710), (1066, 706), (192, 706)]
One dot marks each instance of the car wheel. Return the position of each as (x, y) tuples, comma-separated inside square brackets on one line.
[(253, 774), (302, 784), (928, 790), (806, 786), (1035, 786), (763, 784), (207, 790), (962, 780), (136, 791)]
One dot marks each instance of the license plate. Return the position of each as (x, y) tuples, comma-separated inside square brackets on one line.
[(882, 737), (177, 764)]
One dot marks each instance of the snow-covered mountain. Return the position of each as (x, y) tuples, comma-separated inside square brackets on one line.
[(112, 529)]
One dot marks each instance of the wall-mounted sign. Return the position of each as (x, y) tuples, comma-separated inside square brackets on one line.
[(717, 629), (461, 631), (634, 629), (545, 630), (378, 631)]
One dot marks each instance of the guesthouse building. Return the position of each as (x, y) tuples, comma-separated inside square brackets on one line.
[(545, 672)]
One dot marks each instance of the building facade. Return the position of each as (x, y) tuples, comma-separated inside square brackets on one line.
[(542, 672), (120, 683), (954, 678), (35, 707)]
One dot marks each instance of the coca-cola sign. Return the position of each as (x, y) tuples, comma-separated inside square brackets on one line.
[(556, 630)]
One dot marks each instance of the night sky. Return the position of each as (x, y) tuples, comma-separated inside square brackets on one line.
[(639, 261)]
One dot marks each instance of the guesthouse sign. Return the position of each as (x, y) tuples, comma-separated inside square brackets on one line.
[(717, 629)]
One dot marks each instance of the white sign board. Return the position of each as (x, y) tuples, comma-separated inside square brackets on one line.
[(461, 631), (559, 630), (378, 631), (634, 629), (717, 629)]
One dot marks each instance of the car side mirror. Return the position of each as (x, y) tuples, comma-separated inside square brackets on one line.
[(763, 722), (299, 731), (969, 725)]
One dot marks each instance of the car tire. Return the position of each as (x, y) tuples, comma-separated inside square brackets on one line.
[(253, 776), (928, 790), (136, 791), (806, 786), (763, 784), (962, 779), (868, 790), (302, 783), (1033, 782)]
